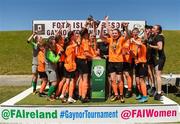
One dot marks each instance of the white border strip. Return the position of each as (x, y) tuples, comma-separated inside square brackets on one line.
[(18, 97), (166, 100)]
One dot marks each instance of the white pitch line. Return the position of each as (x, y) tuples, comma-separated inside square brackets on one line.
[(166, 100), (18, 97)]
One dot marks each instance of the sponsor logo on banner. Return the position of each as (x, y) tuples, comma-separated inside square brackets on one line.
[(40, 28), (98, 70)]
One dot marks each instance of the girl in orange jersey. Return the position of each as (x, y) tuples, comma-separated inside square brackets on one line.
[(60, 68), (127, 60), (60, 49), (70, 67), (93, 44), (115, 66), (82, 65), (140, 66), (41, 68)]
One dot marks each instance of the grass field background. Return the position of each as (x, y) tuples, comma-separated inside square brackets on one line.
[(36, 100), (8, 92), (43, 101), (16, 54)]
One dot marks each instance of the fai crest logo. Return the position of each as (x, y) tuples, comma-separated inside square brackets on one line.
[(98, 70)]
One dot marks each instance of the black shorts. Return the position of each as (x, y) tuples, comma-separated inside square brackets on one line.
[(42, 74), (115, 67), (126, 67), (89, 62), (82, 66), (69, 74), (133, 64), (60, 69), (150, 61), (160, 64), (141, 70)]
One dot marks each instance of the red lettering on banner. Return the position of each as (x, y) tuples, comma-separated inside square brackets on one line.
[(174, 112), (133, 113), (168, 113), (143, 114), (149, 112), (162, 113), (155, 113), (139, 113)]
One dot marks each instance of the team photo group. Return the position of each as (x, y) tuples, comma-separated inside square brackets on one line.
[(64, 63)]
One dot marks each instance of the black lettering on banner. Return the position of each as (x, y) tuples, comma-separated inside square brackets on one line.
[(77, 25), (58, 25), (51, 32), (112, 25), (48, 32), (56, 31), (53, 24), (64, 32), (81, 24), (118, 25), (74, 24), (67, 25), (63, 24)]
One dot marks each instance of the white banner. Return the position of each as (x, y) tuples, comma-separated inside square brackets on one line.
[(47, 28), (89, 114)]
